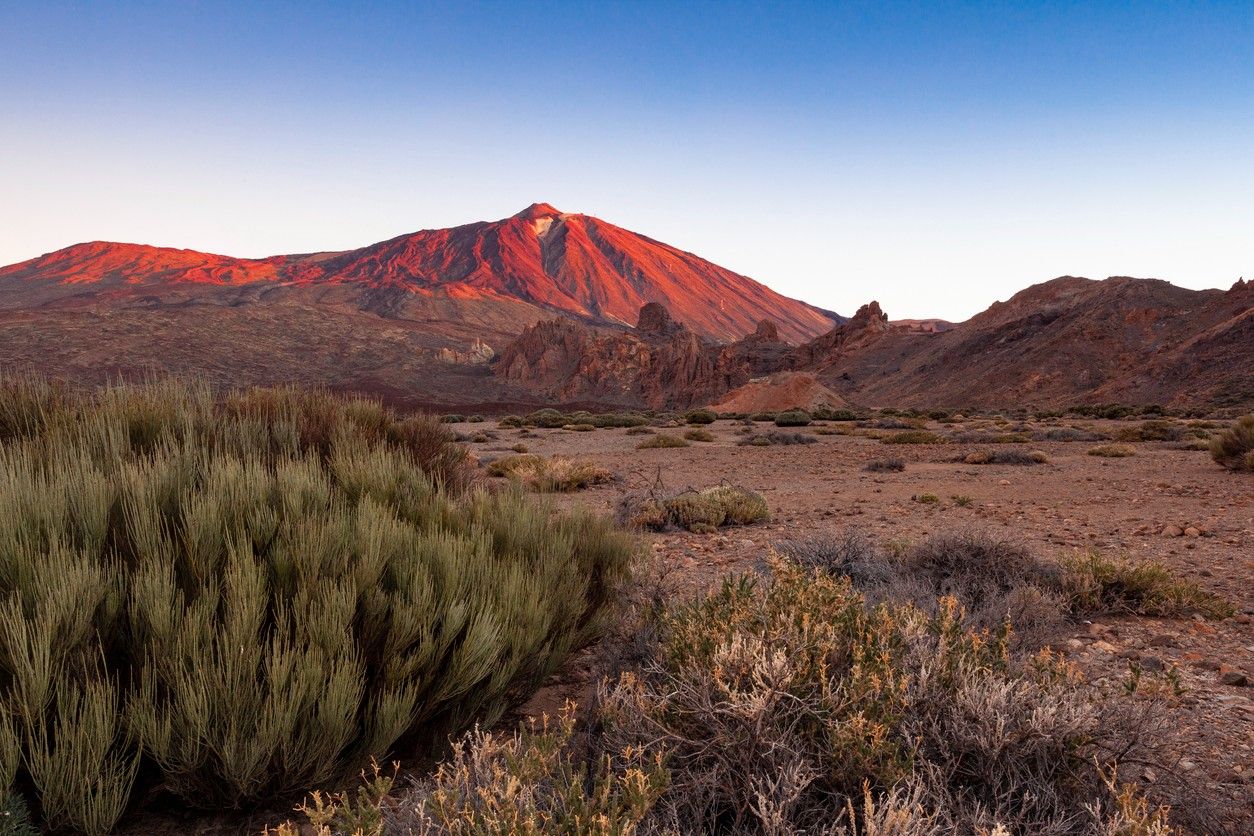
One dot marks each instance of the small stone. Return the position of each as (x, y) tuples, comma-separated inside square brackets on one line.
[(1171, 531), (1192, 532), (1103, 647), (1234, 678)]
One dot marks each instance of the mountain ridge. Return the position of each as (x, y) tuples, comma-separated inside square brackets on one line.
[(558, 262)]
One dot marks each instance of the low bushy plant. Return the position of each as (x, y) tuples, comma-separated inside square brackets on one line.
[(786, 705), (1016, 457), (535, 781), (553, 474), (661, 440), (775, 437), (893, 465), (547, 418), (697, 511), (913, 437), (1112, 451), (793, 418), (701, 416), (1095, 583), (1234, 447), (699, 435)]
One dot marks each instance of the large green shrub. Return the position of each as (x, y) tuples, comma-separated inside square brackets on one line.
[(234, 599)]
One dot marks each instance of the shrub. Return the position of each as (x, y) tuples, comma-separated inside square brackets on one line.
[(254, 595), (510, 422), (556, 474), (580, 428), (1234, 447), (699, 435), (1112, 451), (519, 448), (698, 511), (990, 438), (962, 500), (926, 498), (476, 419), (700, 416), (892, 423), (1019, 457), (547, 418), (535, 781), (1067, 434), (775, 437), (1151, 431), (893, 465), (640, 430), (619, 419), (695, 511), (452, 419), (913, 437), (996, 580), (763, 416), (793, 418), (740, 506), (661, 440), (836, 415), (1094, 583), (786, 705)]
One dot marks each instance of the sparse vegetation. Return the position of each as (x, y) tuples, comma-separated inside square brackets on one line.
[(554, 474), (698, 434), (234, 599), (913, 437), (829, 714), (1151, 431), (775, 437), (926, 498), (1016, 457), (1112, 451), (793, 418), (697, 511), (661, 440), (1234, 447), (893, 465), (640, 430), (1095, 583), (835, 415), (700, 416)]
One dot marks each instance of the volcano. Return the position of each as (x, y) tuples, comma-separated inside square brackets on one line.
[(503, 275)]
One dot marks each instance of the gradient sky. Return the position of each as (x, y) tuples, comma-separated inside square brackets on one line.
[(936, 157)]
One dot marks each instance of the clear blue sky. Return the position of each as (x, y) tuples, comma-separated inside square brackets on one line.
[(933, 156)]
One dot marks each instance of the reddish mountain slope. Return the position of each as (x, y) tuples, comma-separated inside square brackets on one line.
[(1064, 341), (542, 259)]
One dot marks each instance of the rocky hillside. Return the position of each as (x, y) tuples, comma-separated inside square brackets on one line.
[(1066, 341)]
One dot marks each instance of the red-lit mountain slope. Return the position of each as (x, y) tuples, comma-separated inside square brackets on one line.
[(504, 274)]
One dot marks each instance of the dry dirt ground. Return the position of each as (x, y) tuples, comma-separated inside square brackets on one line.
[(1138, 507)]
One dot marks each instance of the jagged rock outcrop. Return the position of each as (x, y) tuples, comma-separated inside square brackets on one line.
[(660, 363), (862, 329)]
